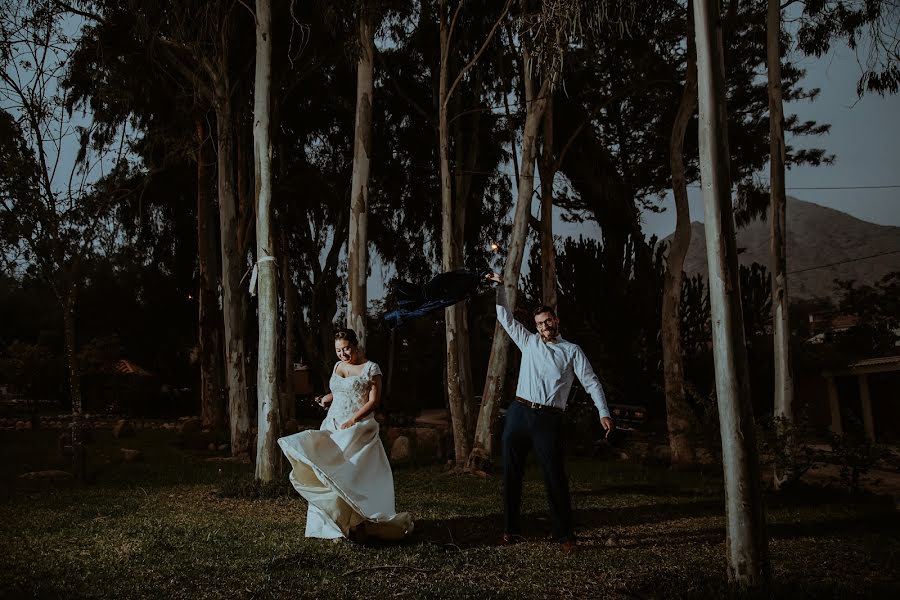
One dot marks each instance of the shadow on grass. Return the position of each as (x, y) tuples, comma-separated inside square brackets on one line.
[(483, 531)]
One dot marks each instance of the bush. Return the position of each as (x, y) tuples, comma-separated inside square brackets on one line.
[(856, 455), (781, 447)]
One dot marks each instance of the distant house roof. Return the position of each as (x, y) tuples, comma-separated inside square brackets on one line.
[(868, 365)]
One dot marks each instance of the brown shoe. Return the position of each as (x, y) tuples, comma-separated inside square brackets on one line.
[(569, 546)]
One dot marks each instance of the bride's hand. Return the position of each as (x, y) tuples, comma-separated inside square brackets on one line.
[(323, 401), (348, 423)]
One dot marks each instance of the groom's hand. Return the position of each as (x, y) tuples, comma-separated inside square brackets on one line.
[(608, 425)]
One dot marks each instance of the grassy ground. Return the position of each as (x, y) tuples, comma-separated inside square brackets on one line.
[(158, 529)]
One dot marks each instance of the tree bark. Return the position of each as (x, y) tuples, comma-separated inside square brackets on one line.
[(232, 270), (212, 404), (535, 105), (79, 463), (677, 410), (268, 424), (746, 545), (288, 406), (450, 249), (547, 170), (357, 251), (784, 377)]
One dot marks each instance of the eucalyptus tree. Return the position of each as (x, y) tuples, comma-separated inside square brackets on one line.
[(745, 544)]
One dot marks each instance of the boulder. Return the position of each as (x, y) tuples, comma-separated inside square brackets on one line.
[(129, 455), (428, 445), (400, 450), (191, 425), (50, 475), (122, 429), (23, 425)]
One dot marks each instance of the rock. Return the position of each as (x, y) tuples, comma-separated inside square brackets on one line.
[(22, 425), (51, 475), (612, 541), (391, 436), (481, 474), (290, 427), (400, 450), (211, 447), (130, 456), (223, 447), (191, 425), (428, 445), (122, 429), (436, 417)]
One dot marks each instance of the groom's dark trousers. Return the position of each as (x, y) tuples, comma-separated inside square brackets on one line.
[(540, 429)]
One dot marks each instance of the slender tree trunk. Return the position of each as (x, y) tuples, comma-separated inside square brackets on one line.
[(288, 406), (232, 270), (784, 377), (357, 252), (535, 105), (212, 405), (467, 152), (450, 248), (677, 410), (547, 168), (746, 545), (267, 416), (79, 463)]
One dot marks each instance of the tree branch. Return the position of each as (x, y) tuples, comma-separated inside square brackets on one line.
[(475, 58)]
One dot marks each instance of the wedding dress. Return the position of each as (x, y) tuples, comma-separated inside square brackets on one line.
[(344, 474)]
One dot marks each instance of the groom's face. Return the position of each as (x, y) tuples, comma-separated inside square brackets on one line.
[(547, 326)]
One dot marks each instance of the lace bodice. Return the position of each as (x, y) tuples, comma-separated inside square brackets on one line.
[(350, 393)]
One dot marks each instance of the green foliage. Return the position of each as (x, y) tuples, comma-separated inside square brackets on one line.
[(782, 447), (856, 455)]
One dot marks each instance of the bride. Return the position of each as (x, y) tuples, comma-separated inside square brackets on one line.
[(341, 468)]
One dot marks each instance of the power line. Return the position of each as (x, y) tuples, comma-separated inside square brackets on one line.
[(842, 262), (693, 186)]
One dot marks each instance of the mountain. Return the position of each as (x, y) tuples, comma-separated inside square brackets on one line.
[(817, 236)]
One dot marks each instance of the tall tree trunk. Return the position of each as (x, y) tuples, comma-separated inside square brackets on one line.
[(467, 151), (535, 105), (677, 410), (212, 404), (357, 252), (746, 545), (268, 414), (547, 169), (784, 377), (450, 248), (289, 405), (79, 463), (232, 270)]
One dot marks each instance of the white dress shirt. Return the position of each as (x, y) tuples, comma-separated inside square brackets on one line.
[(549, 368)]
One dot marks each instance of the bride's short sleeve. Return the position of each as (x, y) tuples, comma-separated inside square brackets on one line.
[(374, 370)]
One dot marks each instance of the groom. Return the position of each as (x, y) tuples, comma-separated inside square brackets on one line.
[(549, 366)]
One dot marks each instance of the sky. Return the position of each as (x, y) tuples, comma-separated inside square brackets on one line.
[(864, 136)]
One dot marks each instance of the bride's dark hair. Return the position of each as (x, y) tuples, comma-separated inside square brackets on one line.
[(346, 334)]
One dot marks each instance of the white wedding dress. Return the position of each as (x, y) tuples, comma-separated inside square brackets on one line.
[(344, 473)]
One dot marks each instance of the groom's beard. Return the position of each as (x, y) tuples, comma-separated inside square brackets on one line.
[(549, 334)]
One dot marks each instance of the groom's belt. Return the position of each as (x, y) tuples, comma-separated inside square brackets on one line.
[(536, 406)]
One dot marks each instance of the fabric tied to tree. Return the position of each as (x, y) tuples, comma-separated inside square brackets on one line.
[(444, 290), (255, 274)]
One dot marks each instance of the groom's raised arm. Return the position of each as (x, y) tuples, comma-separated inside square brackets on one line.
[(517, 332)]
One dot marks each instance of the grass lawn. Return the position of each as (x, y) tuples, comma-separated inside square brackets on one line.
[(158, 529)]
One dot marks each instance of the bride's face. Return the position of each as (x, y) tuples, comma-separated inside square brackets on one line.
[(346, 352)]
